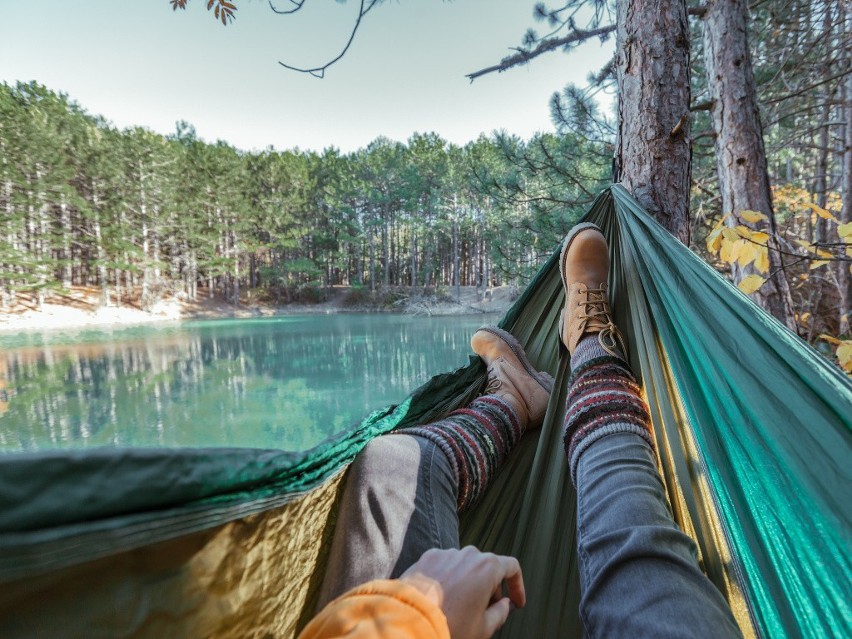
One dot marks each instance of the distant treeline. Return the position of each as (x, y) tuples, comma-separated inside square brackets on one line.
[(136, 213)]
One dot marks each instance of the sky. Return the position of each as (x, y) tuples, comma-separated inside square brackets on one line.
[(136, 62)]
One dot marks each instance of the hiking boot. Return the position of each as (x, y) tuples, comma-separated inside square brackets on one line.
[(584, 266), (511, 376)]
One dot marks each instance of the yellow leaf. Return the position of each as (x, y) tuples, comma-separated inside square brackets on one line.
[(844, 355), (721, 222), (823, 213), (817, 264), (805, 316), (736, 249), (831, 340), (824, 253), (762, 261), (844, 230), (725, 251), (730, 234), (747, 253), (760, 237), (750, 283), (714, 241), (752, 217)]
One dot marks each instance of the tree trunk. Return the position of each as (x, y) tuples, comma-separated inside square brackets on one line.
[(372, 261), (103, 280), (456, 271), (475, 272), (145, 299), (65, 219), (413, 260), (385, 254), (740, 154), (652, 156), (7, 291), (236, 286), (844, 277)]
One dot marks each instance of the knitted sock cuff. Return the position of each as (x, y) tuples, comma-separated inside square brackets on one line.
[(476, 440), (603, 398), (599, 433), (588, 348)]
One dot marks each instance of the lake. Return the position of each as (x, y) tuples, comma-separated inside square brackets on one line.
[(286, 382)]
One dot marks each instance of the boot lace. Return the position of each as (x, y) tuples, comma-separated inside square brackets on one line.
[(494, 383), (596, 316)]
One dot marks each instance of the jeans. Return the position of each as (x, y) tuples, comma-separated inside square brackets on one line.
[(638, 572), (399, 502)]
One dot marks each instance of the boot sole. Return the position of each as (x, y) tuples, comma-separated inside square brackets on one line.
[(566, 243), (545, 380)]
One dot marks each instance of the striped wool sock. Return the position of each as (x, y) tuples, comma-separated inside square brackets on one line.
[(476, 440), (603, 398)]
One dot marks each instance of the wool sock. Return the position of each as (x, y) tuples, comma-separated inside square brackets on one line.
[(603, 398), (476, 440)]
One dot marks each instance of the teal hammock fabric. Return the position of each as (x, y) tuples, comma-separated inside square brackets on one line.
[(772, 420), (753, 426)]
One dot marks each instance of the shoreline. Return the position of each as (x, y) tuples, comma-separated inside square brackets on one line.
[(85, 313)]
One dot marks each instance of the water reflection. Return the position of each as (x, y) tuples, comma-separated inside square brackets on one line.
[(281, 383)]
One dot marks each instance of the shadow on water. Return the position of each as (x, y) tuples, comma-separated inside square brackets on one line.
[(279, 383)]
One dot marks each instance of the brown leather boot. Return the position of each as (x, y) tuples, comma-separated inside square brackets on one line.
[(584, 266), (511, 376)]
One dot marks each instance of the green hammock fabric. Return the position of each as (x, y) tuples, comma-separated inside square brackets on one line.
[(753, 428)]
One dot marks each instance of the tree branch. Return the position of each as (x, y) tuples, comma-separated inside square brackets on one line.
[(522, 57), (605, 72), (702, 106), (319, 72), (296, 3), (810, 87), (704, 134)]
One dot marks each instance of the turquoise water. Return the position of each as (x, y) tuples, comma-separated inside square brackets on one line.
[(286, 382)]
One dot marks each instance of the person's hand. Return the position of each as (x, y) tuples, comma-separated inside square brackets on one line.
[(468, 587)]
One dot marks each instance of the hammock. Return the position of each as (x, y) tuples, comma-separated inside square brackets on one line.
[(753, 433)]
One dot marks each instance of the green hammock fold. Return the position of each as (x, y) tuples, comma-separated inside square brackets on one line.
[(752, 426)]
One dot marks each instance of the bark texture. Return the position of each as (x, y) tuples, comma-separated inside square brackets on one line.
[(740, 153), (844, 277), (844, 281), (652, 157)]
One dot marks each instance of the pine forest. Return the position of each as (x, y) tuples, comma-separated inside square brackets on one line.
[(140, 217)]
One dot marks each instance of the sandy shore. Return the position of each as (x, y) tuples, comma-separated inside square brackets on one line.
[(80, 309)]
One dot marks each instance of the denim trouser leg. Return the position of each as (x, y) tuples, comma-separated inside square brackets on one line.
[(638, 572), (399, 501)]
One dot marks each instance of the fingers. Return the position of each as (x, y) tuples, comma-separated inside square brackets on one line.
[(470, 585), (510, 571), (496, 615)]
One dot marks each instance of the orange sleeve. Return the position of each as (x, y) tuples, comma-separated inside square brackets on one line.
[(382, 609)]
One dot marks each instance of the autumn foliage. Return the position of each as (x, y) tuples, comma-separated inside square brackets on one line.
[(811, 266), (222, 10)]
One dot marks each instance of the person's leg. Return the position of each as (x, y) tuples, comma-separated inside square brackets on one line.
[(639, 576), (399, 501), (638, 571), (405, 489)]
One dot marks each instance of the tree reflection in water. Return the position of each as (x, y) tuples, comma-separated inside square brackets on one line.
[(286, 382)]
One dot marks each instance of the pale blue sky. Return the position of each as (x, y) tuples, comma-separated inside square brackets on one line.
[(139, 63)]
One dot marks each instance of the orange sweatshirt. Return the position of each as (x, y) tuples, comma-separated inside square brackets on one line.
[(381, 609)]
